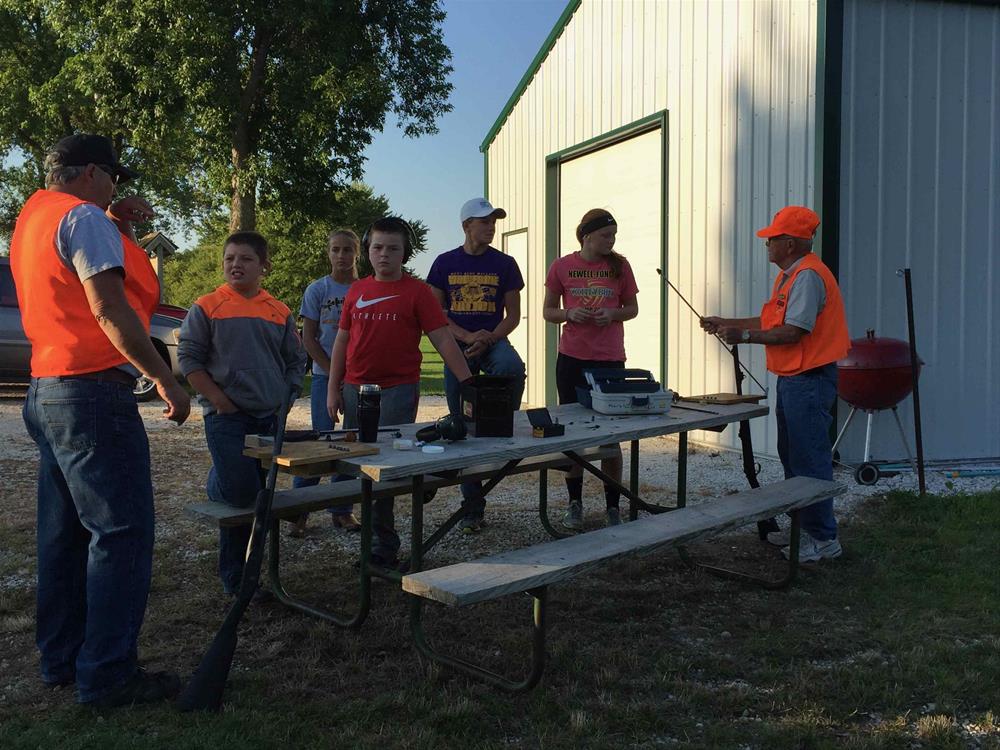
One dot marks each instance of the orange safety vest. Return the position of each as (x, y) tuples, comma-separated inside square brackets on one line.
[(827, 342), (65, 337)]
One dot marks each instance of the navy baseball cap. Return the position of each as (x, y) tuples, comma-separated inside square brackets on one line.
[(83, 148)]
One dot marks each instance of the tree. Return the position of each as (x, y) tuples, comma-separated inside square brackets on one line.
[(219, 104), (297, 245)]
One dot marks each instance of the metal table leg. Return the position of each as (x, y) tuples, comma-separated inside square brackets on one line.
[(364, 575), (735, 575), (682, 469)]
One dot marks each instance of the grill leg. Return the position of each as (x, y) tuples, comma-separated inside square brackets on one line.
[(868, 437), (902, 436), (844, 428)]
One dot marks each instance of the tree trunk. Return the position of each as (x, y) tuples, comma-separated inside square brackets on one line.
[(243, 204)]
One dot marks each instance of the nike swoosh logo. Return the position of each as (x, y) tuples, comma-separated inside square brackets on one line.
[(362, 303)]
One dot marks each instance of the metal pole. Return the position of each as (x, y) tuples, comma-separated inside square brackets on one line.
[(914, 373)]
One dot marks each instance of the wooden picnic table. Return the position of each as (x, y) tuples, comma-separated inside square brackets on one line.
[(585, 431)]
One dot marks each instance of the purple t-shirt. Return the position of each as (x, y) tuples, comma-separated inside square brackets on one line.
[(474, 285)]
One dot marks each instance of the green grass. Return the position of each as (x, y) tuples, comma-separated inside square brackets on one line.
[(895, 645), (431, 371)]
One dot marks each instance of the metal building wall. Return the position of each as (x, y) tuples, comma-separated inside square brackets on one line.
[(738, 80), (920, 176)]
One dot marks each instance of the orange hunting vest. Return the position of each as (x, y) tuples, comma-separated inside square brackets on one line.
[(827, 342), (65, 337)]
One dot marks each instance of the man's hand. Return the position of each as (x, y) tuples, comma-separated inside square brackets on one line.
[(132, 208), (730, 334), (712, 324), (474, 350), (177, 400)]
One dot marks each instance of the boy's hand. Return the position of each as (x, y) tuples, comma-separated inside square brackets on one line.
[(223, 405), (334, 404)]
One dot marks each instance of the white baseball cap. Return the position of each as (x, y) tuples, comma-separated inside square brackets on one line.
[(477, 208)]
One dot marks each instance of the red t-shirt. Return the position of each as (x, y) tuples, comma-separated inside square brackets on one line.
[(386, 320), (590, 285)]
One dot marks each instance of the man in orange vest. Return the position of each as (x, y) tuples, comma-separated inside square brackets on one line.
[(87, 292), (804, 331)]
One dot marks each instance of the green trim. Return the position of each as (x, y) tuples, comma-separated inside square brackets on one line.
[(664, 239), (552, 166), (486, 175), (650, 122), (551, 253), (536, 63)]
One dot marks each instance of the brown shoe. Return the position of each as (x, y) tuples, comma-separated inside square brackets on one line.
[(346, 522), (298, 530)]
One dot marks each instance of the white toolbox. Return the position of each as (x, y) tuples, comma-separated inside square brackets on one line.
[(623, 391)]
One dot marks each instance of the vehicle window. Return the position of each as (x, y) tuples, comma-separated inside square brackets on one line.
[(8, 295)]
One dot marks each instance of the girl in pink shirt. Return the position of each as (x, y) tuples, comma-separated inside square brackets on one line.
[(598, 293)]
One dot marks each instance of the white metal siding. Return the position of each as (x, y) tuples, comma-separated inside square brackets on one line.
[(920, 170), (737, 78)]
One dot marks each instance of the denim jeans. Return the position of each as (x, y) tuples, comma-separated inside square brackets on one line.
[(499, 359), (95, 530), (235, 480), (321, 421), (803, 411), (398, 406)]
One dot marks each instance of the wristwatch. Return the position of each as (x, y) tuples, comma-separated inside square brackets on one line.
[(746, 335)]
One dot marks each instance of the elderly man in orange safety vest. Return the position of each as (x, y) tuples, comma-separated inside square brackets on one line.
[(804, 332)]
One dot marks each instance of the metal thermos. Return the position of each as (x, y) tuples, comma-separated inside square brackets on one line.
[(369, 411)]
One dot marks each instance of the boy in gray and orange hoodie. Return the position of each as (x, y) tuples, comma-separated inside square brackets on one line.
[(240, 351)]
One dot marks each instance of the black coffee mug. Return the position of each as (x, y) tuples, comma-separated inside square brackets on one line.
[(369, 412)]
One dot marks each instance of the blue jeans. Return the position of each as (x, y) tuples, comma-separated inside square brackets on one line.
[(234, 480), (398, 406), (321, 421), (499, 359), (803, 410), (95, 530)]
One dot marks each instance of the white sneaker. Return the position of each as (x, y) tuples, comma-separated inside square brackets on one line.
[(814, 550), (779, 538)]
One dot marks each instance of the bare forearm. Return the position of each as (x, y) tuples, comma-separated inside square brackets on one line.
[(315, 350), (457, 332), (505, 327), (453, 358), (784, 334), (202, 382), (129, 336)]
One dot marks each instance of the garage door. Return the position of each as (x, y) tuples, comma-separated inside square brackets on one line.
[(626, 179)]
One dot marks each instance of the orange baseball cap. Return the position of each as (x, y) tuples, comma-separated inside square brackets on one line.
[(795, 221)]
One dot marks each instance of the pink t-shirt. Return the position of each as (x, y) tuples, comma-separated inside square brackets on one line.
[(590, 285)]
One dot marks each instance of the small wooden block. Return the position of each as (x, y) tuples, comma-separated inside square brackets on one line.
[(313, 452), (723, 398)]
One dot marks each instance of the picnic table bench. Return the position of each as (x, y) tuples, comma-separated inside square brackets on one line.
[(534, 569)]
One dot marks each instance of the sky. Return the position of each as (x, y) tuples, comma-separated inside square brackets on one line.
[(429, 178)]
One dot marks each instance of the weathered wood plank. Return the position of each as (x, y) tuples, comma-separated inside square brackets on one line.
[(291, 503), (584, 429), (551, 562)]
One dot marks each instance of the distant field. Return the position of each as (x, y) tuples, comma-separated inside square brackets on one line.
[(431, 370)]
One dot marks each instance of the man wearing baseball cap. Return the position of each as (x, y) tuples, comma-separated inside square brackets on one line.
[(86, 292), (804, 331), (480, 289)]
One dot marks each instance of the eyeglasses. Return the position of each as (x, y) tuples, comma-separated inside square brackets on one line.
[(109, 171), (780, 238)]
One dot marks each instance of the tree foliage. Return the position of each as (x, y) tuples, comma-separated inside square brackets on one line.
[(220, 105), (298, 248)]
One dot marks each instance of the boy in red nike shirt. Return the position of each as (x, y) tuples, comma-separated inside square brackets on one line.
[(379, 342)]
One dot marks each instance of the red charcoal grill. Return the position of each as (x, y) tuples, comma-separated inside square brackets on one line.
[(874, 376)]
